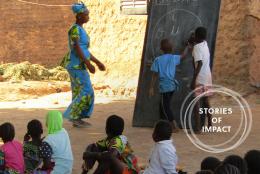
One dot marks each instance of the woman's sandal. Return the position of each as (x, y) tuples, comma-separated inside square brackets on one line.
[(78, 123)]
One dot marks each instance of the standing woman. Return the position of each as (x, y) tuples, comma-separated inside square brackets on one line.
[(78, 63)]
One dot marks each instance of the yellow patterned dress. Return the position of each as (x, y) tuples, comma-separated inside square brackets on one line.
[(121, 144)]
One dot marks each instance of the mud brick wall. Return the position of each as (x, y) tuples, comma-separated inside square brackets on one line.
[(34, 33), (236, 54), (254, 29)]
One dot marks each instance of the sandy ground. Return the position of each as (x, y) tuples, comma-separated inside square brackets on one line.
[(140, 138), (14, 91), (20, 112)]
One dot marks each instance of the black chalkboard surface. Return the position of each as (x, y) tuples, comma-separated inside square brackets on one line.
[(175, 20)]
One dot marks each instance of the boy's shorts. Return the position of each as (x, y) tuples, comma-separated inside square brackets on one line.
[(203, 89)]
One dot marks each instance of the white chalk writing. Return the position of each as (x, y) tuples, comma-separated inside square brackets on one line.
[(170, 26), (160, 33), (175, 29)]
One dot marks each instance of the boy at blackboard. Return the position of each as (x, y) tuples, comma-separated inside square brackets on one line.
[(165, 67), (202, 80)]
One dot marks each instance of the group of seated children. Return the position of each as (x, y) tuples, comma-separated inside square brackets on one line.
[(232, 164), (53, 154), (115, 156)]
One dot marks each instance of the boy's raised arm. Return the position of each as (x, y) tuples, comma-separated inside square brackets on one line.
[(186, 51)]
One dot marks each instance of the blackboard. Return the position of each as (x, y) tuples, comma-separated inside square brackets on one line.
[(175, 20)]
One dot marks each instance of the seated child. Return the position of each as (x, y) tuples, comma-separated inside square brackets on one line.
[(114, 154), (31, 148), (238, 162), (252, 158), (226, 169), (55, 149), (11, 152), (210, 163), (163, 159)]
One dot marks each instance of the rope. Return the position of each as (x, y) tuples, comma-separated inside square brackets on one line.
[(40, 4)]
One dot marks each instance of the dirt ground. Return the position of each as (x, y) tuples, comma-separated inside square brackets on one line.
[(14, 91), (21, 111)]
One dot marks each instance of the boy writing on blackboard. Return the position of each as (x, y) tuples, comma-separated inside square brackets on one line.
[(202, 80), (165, 67)]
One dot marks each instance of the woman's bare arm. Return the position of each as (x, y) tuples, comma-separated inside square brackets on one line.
[(100, 65), (82, 57)]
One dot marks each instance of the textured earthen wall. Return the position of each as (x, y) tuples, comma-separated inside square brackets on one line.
[(118, 41), (39, 34), (32, 32), (237, 44), (254, 28)]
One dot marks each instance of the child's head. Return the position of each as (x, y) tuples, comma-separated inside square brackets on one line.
[(114, 126), (166, 46), (54, 121), (7, 132), (237, 161), (200, 34), (192, 39), (205, 172), (252, 158), (226, 169), (210, 163), (34, 128), (162, 131)]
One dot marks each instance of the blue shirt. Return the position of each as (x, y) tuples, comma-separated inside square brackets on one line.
[(77, 32), (165, 65)]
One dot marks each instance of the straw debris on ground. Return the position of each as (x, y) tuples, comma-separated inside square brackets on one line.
[(28, 71)]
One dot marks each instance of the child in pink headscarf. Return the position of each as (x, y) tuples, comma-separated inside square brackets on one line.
[(11, 152)]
